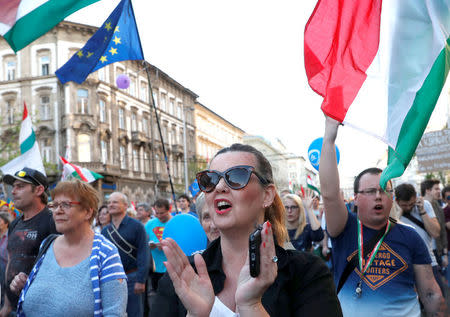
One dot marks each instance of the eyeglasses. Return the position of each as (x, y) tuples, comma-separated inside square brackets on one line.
[(294, 207), (65, 205), (235, 177), (374, 191)]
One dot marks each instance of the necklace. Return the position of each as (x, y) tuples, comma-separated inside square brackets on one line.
[(363, 268)]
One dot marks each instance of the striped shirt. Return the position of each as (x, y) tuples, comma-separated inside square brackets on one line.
[(104, 265)]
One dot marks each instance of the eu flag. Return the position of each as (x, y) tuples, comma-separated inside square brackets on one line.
[(116, 40)]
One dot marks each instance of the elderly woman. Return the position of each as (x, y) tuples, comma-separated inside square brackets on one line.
[(80, 274), (301, 234), (240, 193), (204, 215)]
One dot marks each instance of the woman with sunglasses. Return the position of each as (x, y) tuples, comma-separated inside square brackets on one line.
[(302, 234), (240, 192), (80, 274)]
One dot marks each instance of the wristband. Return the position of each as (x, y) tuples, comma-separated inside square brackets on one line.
[(422, 213)]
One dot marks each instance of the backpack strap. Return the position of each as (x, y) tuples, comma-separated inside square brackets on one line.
[(45, 245), (120, 242)]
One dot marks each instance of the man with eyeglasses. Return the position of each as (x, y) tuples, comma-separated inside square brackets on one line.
[(27, 231), (378, 263)]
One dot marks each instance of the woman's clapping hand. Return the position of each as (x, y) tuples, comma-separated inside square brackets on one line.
[(193, 289)]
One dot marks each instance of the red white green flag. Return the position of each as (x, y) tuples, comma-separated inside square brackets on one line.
[(74, 171), (311, 185), (23, 21), (380, 66)]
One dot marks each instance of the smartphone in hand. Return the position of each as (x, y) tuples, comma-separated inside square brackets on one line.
[(254, 241)]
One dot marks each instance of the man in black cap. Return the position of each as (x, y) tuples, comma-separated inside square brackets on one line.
[(27, 231)]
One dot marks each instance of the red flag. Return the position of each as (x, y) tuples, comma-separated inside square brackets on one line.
[(341, 41)]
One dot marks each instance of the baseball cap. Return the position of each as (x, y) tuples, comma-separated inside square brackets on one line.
[(27, 175)]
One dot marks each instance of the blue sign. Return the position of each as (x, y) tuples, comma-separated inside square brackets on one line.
[(314, 151)]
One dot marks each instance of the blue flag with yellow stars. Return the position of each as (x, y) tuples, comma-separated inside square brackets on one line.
[(116, 40)]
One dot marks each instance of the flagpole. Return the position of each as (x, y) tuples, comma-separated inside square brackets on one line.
[(150, 92)]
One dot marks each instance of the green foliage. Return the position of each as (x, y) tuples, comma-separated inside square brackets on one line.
[(9, 143)]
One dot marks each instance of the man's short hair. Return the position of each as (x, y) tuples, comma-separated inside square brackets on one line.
[(185, 197), (404, 192), (144, 205), (371, 171), (427, 185), (162, 203)]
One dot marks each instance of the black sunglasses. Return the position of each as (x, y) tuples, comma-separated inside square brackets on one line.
[(235, 177)]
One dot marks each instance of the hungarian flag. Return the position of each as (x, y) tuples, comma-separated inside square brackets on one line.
[(23, 21), (74, 171), (311, 185), (380, 66), (30, 156)]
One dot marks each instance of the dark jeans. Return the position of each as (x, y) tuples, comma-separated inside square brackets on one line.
[(135, 305)]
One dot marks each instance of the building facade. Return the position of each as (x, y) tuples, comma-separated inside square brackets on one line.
[(213, 133), (96, 125)]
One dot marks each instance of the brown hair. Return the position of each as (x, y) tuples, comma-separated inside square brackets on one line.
[(85, 193), (275, 213)]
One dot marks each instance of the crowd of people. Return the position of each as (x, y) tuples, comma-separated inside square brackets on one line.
[(386, 254)]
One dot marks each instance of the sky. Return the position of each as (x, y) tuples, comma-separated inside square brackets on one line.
[(244, 58)]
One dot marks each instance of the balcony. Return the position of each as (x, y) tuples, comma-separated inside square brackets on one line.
[(139, 138), (177, 148)]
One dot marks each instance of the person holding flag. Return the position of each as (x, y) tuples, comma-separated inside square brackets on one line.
[(378, 264)]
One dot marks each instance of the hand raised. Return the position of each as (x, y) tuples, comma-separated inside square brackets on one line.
[(194, 289)]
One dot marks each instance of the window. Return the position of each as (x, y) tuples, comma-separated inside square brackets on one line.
[(157, 165), (10, 112), (144, 92), (172, 106), (133, 122), (179, 107), (11, 70), (135, 160), (145, 126), (84, 148), (102, 110), (46, 150), (45, 65), (104, 151), (146, 162), (45, 108), (122, 157), (155, 99), (162, 102), (82, 101), (133, 86), (101, 74), (121, 118)]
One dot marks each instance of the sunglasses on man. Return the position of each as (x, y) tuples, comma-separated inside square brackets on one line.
[(235, 177)]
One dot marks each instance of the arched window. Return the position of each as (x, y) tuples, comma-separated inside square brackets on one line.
[(84, 148)]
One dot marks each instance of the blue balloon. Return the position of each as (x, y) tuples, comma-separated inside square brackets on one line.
[(187, 232), (314, 153)]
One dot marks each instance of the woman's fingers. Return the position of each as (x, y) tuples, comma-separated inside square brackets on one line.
[(200, 265), (268, 255)]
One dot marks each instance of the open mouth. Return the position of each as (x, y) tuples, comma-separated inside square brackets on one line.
[(378, 207), (222, 206)]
